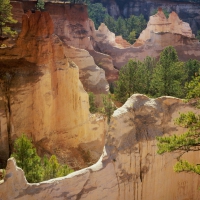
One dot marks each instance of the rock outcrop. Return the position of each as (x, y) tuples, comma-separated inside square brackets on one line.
[(158, 23), (74, 28), (129, 167), (160, 33), (41, 96)]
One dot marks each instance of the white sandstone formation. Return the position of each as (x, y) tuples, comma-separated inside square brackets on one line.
[(158, 23), (129, 167)]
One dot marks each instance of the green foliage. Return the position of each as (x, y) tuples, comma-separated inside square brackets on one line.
[(136, 23), (110, 23), (193, 88), (189, 141), (169, 75), (93, 107), (35, 168), (124, 27), (27, 158), (40, 4), (96, 12), (192, 68), (164, 11), (134, 77), (108, 107), (6, 18), (198, 35), (132, 37), (53, 169), (111, 88), (185, 166)]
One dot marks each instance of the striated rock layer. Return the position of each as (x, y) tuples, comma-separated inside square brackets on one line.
[(41, 96), (74, 28), (129, 167), (160, 33)]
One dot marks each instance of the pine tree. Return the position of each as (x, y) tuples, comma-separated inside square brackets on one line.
[(93, 108), (193, 88), (40, 4), (169, 75), (132, 37), (6, 18), (189, 141), (108, 107), (35, 168), (110, 23), (27, 158)]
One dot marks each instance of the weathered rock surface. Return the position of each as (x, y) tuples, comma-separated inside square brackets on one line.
[(74, 28), (158, 23), (41, 96), (160, 33), (129, 167)]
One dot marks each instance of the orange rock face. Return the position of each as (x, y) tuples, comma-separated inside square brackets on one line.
[(41, 96), (121, 42)]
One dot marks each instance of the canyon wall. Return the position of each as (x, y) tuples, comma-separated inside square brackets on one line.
[(160, 33), (41, 96), (188, 11), (129, 167), (75, 29)]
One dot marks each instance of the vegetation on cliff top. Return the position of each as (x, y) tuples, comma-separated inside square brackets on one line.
[(6, 18)]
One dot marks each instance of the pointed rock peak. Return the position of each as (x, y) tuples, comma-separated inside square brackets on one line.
[(173, 17), (160, 14)]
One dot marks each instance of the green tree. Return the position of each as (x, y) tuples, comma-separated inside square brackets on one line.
[(6, 18), (35, 168), (40, 4), (125, 85), (93, 108), (96, 12), (189, 141), (198, 35), (192, 68), (169, 75), (136, 23), (108, 107), (164, 11), (193, 88), (110, 23), (132, 37), (121, 28), (27, 158)]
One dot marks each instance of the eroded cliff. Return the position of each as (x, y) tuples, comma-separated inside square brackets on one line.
[(160, 33), (188, 11), (129, 167), (41, 96)]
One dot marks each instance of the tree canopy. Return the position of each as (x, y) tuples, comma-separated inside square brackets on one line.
[(168, 76), (6, 18)]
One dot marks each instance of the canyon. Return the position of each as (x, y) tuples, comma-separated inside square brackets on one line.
[(57, 58), (129, 167), (188, 11)]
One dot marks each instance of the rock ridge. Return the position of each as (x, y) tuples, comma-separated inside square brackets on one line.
[(129, 163)]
